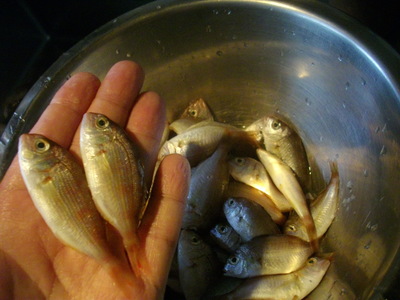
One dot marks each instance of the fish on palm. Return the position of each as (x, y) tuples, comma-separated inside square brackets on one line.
[(115, 176), (57, 185)]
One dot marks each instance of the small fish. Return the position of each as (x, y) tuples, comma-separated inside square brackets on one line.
[(201, 140), (284, 142), (252, 172), (294, 285), (268, 255), (57, 185), (198, 265), (249, 219), (208, 183), (196, 111), (285, 180), (115, 176), (323, 209), (226, 237), (241, 190)]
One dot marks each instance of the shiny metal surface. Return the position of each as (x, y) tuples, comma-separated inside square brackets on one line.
[(337, 82)]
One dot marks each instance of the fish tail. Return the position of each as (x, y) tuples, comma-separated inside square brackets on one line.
[(136, 259), (122, 276), (334, 168), (311, 232)]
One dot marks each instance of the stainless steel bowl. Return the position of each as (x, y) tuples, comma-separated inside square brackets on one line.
[(336, 81)]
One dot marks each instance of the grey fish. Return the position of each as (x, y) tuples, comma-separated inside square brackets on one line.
[(115, 176), (268, 255), (241, 190), (208, 183), (225, 237), (323, 209), (198, 265), (249, 219), (295, 285)]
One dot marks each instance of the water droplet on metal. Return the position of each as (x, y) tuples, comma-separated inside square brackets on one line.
[(383, 150), (116, 51), (363, 82), (308, 102), (215, 11), (128, 55), (365, 173), (340, 57), (347, 86), (344, 104)]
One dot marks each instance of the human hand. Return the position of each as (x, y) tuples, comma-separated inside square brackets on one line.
[(33, 263)]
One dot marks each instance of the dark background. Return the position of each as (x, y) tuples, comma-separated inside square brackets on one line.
[(34, 33)]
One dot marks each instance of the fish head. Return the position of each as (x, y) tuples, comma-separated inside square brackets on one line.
[(98, 126), (221, 231), (36, 152), (235, 266), (242, 167), (316, 266), (232, 208), (275, 129), (197, 111), (191, 247)]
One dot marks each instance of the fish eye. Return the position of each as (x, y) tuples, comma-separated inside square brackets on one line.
[(239, 160), (312, 261), (102, 122), (41, 145), (276, 125), (193, 112), (195, 240), (222, 229), (292, 227), (233, 260), (231, 202)]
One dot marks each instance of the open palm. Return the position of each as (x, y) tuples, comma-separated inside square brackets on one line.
[(33, 263)]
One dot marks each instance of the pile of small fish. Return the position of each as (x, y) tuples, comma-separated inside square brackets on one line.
[(248, 230)]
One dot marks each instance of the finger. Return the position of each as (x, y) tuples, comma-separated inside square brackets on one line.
[(118, 91), (145, 126), (61, 118), (161, 223), (116, 95)]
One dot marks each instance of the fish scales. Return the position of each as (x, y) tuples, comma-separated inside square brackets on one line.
[(58, 188)]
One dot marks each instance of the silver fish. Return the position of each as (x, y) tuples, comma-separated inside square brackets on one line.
[(241, 190), (208, 183), (225, 237), (198, 265), (201, 140), (252, 172), (249, 219), (268, 255), (294, 285), (115, 176), (323, 209), (196, 111), (284, 142), (57, 185), (286, 182)]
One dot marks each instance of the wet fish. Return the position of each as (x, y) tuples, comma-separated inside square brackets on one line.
[(198, 265), (253, 173), (115, 176), (323, 209), (57, 185), (196, 111), (268, 255), (225, 237), (286, 182), (241, 190), (294, 285), (284, 142), (208, 183), (201, 140), (249, 219)]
